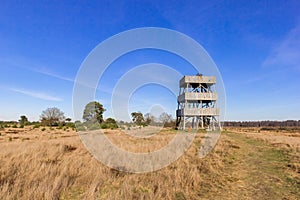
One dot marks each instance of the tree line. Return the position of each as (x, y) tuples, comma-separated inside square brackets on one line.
[(148, 119), (92, 119), (286, 123), (49, 117)]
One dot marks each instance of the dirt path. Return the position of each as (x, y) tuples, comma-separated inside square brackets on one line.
[(258, 170)]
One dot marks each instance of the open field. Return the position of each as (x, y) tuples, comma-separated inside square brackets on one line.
[(245, 164)]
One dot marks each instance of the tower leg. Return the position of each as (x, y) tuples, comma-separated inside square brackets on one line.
[(193, 122)]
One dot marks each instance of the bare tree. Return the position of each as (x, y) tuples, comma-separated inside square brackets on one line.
[(149, 118), (165, 117), (52, 116)]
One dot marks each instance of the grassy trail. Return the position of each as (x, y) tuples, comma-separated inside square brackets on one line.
[(260, 171)]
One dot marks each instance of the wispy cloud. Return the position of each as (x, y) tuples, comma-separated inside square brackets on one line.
[(48, 73), (287, 52), (35, 94), (58, 76)]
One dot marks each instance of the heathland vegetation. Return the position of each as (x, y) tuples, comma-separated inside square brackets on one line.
[(245, 164), (46, 160)]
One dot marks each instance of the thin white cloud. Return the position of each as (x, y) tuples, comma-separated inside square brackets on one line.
[(287, 52), (38, 95), (58, 76), (53, 75)]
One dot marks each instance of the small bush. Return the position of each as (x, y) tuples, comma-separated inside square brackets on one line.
[(36, 126), (60, 126), (93, 126), (43, 129), (70, 125), (21, 126), (108, 125), (104, 126), (14, 126), (80, 128)]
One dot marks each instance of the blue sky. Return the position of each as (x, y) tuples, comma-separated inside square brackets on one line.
[(255, 44)]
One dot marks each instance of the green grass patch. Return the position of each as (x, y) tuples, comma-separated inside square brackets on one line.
[(265, 166)]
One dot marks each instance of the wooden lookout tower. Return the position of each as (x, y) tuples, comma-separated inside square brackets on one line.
[(197, 103)]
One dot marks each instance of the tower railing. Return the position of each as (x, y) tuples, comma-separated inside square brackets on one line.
[(198, 112), (198, 79), (198, 96)]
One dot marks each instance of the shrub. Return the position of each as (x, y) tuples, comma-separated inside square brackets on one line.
[(104, 126), (14, 126), (36, 126), (80, 128), (93, 126), (70, 125), (43, 129), (108, 125), (21, 126), (60, 126)]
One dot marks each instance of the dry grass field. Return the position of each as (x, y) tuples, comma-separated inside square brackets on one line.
[(245, 164)]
